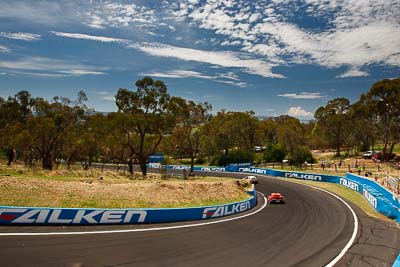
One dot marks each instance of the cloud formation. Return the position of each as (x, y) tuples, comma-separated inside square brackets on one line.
[(349, 33), (83, 36), (47, 67), (299, 112), (4, 49), (112, 14), (228, 78), (218, 58), (225, 59), (21, 36), (303, 95)]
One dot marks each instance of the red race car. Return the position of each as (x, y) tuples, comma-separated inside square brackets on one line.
[(276, 198)]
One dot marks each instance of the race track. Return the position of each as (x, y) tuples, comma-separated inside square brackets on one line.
[(310, 230)]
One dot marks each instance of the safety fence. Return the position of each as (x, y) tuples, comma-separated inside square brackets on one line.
[(70, 216), (379, 197)]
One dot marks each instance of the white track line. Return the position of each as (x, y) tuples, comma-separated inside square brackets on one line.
[(355, 219), (141, 230)]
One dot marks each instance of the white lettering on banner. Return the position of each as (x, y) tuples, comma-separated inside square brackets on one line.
[(208, 169), (371, 199), (181, 167), (112, 216), (155, 165), (350, 184), (56, 216), (303, 176), (253, 170), (142, 215), (88, 217), (27, 217), (225, 210)]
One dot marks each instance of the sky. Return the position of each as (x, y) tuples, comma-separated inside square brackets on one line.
[(272, 57)]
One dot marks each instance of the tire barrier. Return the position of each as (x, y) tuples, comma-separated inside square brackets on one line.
[(64, 216)]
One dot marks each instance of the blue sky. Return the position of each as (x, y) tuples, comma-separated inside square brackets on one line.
[(272, 57)]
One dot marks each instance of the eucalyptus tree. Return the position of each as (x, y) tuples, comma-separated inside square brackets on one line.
[(382, 103), (332, 120), (14, 113), (47, 129), (187, 133), (233, 130), (149, 115), (291, 135)]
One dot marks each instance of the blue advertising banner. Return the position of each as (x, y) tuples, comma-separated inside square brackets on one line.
[(156, 158), (380, 198), (60, 216)]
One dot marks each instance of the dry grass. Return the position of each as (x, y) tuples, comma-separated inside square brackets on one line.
[(108, 189), (347, 194)]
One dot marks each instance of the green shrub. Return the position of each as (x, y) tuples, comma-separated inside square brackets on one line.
[(274, 153), (302, 154), (235, 157), (200, 160)]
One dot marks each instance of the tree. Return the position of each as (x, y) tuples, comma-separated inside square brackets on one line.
[(189, 118), (382, 103), (13, 116), (290, 134), (150, 117), (274, 153), (48, 127), (122, 127), (333, 120), (233, 130)]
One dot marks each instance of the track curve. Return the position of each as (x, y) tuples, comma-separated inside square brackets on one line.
[(310, 230)]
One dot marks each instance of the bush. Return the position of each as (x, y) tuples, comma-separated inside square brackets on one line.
[(235, 157), (200, 160), (302, 154), (274, 153)]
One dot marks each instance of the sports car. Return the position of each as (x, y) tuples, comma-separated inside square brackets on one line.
[(251, 178), (276, 198)]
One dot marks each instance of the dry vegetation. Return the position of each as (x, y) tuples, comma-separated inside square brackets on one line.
[(96, 189), (347, 194)]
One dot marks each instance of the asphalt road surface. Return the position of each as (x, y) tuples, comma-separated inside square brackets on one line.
[(310, 230)]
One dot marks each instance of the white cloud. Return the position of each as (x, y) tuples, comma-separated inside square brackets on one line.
[(350, 33), (4, 49), (21, 36), (82, 72), (179, 74), (219, 58), (47, 67), (112, 14), (353, 73), (303, 95), (90, 37), (106, 96), (234, 80), (299, 112)]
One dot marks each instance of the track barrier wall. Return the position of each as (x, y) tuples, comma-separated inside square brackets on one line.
[(379, 197), (64, 216)]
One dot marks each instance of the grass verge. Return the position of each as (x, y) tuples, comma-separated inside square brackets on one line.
[(108, 189), (347, 194)]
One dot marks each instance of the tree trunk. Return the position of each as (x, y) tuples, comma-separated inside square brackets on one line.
[(191, 163), (47, 163), (143, 166), (130, 166), (10, 156)]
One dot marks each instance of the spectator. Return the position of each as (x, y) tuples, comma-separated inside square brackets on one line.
[(359, 169)]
